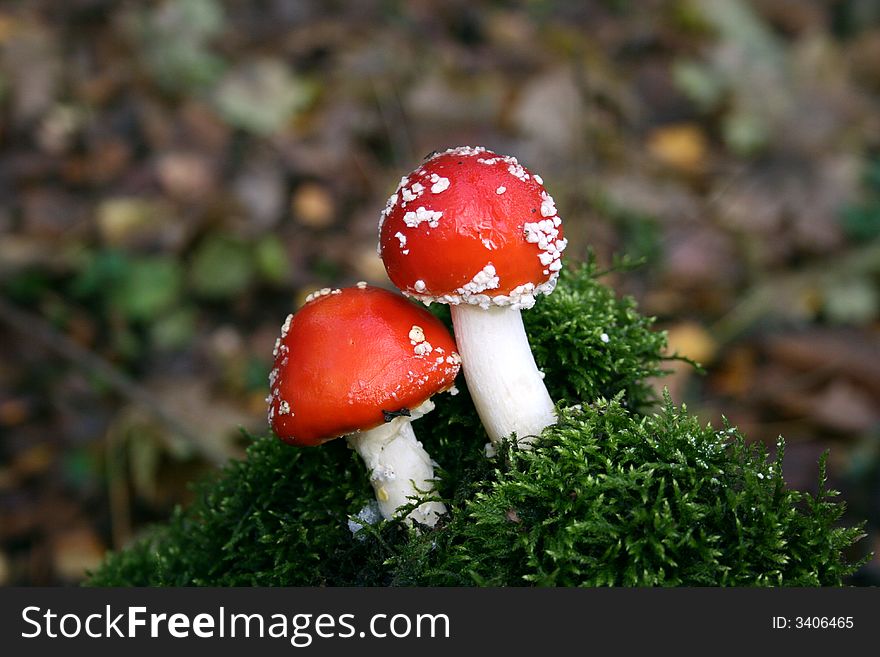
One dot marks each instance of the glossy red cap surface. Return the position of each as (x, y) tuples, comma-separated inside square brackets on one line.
[(351, 353), (471, 226)]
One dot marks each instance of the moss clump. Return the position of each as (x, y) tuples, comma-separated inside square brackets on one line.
[(612, 498), (609, 496), (271, 519)]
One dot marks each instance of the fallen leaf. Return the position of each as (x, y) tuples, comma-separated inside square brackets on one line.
[(844, 407), (549, 112), (185, 176), (222, 267), (51, 214), (130, 221), (852, 354), (691, 340), (852, 300), (5, 570), (261, 190), (31, 60), (14, 411), (34, 460), (74, 552), (262, 96), (680, 146), (735, 374), (107, 159), (218, 419), (313, 206), (368, 265)]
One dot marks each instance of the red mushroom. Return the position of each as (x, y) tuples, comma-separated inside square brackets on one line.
[(478, 231), (363, 362)]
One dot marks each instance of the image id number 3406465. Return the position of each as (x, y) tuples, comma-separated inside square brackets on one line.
[(813, 622)]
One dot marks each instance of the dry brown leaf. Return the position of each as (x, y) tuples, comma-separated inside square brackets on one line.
[(680, 146), (216, 419), (5, 568), (368, 265), (261, 189), (185, 176), (30, 57), (549, 112), (313, 206), (736, 373), (852, 354), (691, 340), (34, 460), (125, 221), (844, 407), (75, 551)]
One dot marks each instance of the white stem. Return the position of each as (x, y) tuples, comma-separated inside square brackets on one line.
[(400, 468), (504, 382)]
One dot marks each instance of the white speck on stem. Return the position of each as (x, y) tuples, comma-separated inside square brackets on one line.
[(392, 449), (369, 515)]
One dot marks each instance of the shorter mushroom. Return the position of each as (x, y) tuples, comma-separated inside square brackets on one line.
[(363, 362)]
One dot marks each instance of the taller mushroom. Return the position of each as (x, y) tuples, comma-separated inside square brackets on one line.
[(478, 231)]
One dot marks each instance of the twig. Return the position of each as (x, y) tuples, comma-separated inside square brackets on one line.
[(391, 111), (37, 328), (763, 297), (117, 489)]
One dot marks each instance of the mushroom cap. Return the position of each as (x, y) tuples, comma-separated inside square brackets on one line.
[(349, 354), (471, 226)]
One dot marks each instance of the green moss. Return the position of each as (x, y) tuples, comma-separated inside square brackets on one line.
[(609, 495), (591, 344), (612, 498), (271, 519)]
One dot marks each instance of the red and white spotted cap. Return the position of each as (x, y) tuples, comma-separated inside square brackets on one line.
[(348, 355), (471, 226)]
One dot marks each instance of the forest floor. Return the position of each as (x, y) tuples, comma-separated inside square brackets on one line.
[(176, 177)]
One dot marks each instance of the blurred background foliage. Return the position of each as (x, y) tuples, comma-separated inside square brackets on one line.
[(176, 176)]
